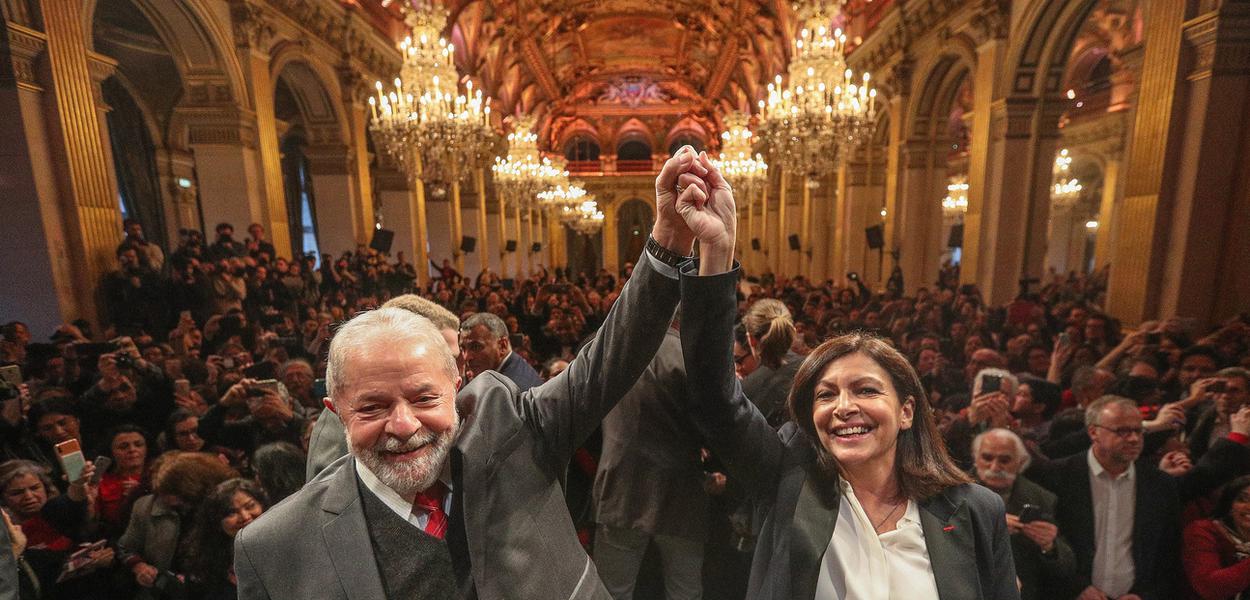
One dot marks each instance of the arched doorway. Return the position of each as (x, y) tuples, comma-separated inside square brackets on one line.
[(634, 219)]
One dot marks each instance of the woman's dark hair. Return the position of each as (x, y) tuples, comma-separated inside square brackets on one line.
[(208, 550), (1224, 508), (922, 464), (107, 448), (279, 467)]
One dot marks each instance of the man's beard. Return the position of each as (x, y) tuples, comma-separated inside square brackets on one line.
[(412, 476)]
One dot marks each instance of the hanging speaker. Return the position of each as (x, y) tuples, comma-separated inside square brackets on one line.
[(794, 241), (382, 240), (468, 243), (536, 247), (755, 243), (876, 237), (510, 246), (956, 239)]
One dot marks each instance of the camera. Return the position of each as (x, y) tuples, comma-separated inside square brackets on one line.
[(123, 361), (8, 391)]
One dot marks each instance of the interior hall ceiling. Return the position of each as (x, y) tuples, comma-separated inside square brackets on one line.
[(605, 64)]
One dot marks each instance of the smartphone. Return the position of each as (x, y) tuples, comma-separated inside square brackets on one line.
[(1217, 387), (1030, 513), (101, 464), (11, 374), (262, 386), (182, 387), (72, 460), (991, 383), (227, 363), (319, 389), (1153, 338)]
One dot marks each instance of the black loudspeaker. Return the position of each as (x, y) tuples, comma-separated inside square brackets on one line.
[(468, 243), (876, 237), (755, 243), (956, 239), (536, 247), (510, 246), (382, 240), (794, 241)]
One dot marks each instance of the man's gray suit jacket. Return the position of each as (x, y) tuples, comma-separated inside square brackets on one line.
[(513, 448)]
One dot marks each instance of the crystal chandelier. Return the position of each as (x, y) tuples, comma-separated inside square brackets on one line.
[(422, 122), (524, 172), (745, 173), (562, 201), (589, 218), (1066, 190), (955, 204), (824, 108)]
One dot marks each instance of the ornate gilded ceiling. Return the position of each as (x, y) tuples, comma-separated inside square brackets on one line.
[(606, 66)]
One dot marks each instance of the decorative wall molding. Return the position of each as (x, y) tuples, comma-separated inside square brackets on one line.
[(26, 46)]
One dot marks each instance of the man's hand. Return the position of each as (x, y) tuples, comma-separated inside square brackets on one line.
[(1041, 533), (1239, 422), (992, 408), (1171, 417), (1092, 593), (713, 218), (1175, 463), (271, 410), (670, 229)]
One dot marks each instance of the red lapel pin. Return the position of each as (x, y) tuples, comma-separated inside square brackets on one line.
[(948, 528)]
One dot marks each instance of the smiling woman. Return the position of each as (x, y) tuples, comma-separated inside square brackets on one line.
[(865, 501)]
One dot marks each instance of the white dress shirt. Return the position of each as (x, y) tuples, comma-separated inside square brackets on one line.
[(1115, 506), (860, 565), (397, 503)]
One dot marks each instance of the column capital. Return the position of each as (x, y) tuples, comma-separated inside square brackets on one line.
[(25, 47), (1012, 117), (252, 27), (329, 159), (991, 21)]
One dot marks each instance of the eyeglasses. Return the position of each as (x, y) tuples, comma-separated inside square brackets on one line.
[(1125, 432), (738, 358)]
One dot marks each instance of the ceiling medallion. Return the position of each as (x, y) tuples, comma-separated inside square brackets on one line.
[(633, 92)]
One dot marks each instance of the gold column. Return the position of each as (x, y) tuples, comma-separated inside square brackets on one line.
[(483, 240), (503, 238), (454, 220), (416, 212), (94, 218), (522, 244), (611, 249), (761, 257), (530, 227), (782, 247), (805, 230), (1137, 267), (985, 87), (1106, 213), (748, 254), (355, 95), (260, 89)]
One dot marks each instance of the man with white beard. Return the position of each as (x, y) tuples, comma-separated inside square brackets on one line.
[(1043, 558), (448, 494)]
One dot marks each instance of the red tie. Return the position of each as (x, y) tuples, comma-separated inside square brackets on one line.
[(431, 502)]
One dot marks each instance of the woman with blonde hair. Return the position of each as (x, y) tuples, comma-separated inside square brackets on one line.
[(770, 335)]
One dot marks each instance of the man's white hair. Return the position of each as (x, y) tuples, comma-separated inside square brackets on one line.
[(388, 327), (1022, 453)]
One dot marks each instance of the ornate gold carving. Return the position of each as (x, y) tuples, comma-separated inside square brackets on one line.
[(25, 47), (252, 28)]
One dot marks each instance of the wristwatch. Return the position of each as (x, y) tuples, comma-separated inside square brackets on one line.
[(665, 255)]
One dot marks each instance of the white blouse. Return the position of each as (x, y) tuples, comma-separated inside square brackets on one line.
[(860, 565)]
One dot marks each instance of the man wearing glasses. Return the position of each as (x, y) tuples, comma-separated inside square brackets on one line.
[(1122, 515)]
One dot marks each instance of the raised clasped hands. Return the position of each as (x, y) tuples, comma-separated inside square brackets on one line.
[(694, 202)]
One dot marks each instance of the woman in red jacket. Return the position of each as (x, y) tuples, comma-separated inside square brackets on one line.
[(1217, 551)]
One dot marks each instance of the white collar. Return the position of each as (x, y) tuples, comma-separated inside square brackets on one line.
[(505, 359), (1097, 469)]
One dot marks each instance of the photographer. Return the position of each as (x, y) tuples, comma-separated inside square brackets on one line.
[(1043, 557), (129, 390), (250, 414)]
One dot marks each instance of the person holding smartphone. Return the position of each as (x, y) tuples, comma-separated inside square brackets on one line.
[(1043, 557)]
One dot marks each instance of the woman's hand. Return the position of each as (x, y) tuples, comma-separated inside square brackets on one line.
[(17, 539), (712, 216), (670, 230)]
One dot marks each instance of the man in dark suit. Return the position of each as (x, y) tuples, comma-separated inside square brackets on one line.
[(486, 346), (1122, 516), (448, 495), (649, 487), (1044, 560)]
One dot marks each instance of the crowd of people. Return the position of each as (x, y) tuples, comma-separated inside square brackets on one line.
[(1121, 456)]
